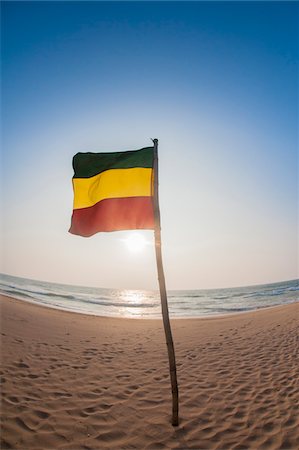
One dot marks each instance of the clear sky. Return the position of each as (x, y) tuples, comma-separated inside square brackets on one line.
[(216, 83)]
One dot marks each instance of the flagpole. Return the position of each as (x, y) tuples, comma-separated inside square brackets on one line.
[(163, 295)]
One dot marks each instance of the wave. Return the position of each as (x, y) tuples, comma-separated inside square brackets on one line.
[(271, 293), (122, 303), (186, 296), (32, 293), (100, 302), (230, 310)]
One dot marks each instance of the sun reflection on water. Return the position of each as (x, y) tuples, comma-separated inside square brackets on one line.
[(136, 303)]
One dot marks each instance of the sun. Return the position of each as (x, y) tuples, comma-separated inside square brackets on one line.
[(135, 242)]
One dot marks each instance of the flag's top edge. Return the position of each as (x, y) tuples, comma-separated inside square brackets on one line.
[(124, 152), (89, 164)]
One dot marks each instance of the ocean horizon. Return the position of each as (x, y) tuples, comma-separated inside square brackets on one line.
[(131, 303)]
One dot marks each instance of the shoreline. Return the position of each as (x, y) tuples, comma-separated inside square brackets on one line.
[(77, 382), (208, 317)]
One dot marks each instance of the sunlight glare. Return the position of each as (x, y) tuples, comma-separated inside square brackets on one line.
[(135, 242)]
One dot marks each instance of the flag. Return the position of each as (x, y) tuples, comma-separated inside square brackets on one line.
[(113, 191)]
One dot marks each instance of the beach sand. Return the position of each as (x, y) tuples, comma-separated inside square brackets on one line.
[(72, 381)]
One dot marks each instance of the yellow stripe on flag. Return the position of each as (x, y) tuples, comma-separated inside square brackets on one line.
[(113, 183)]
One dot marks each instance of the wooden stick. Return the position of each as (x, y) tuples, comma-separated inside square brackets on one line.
[(163, 295)]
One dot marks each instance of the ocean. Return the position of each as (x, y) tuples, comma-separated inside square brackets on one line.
[(146, 304)]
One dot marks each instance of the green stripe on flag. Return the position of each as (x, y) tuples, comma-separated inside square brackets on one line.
[(87, 165)]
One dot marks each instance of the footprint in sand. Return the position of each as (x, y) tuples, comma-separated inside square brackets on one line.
[(41, 414), (22, 365), (12, 399)]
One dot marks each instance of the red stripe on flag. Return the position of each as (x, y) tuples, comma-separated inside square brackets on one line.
[(114, 214)]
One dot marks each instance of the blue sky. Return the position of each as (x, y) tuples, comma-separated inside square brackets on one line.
[(215, 82)]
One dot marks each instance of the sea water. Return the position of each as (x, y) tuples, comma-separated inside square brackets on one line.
[(146, 304)]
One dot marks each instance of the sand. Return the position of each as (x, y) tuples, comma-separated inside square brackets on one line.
[(72, 381)]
